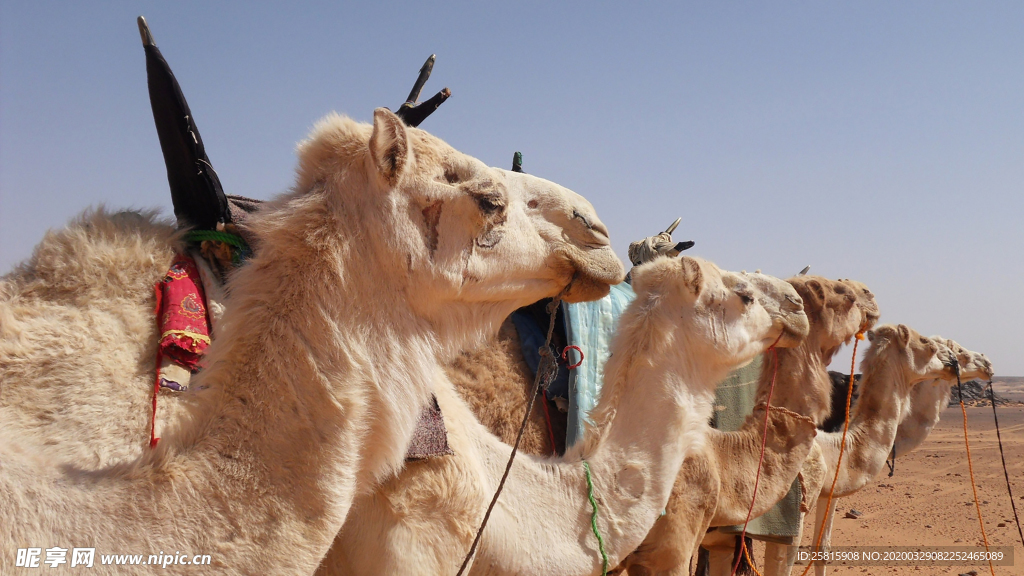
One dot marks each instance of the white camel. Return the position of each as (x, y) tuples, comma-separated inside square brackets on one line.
[(716, 484), (689, 325), (930, 398), (392, 251)]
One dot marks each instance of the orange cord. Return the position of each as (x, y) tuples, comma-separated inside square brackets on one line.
[(842, 448), (974, 487), (764, 440), (743, 543)]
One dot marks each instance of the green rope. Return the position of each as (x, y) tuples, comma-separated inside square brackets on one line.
[(593, 520), (217, 236)]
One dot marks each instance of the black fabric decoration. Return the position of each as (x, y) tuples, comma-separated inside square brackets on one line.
[(196, 192)]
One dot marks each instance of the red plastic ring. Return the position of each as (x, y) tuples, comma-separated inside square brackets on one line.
[(566, 351)]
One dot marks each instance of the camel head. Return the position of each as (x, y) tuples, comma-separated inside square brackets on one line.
[(972, 364), (865, 301), (781, 299), (837, 309), (918, 357), (448, 229), (724, 314)]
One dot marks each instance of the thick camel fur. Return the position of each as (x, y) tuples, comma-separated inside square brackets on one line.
[(689, 325), (392, 245), (716, 484), (495, 382), (78, 337)]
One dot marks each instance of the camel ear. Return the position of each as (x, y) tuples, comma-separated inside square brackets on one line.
[(389, 145), (903, 333), (693, 277)]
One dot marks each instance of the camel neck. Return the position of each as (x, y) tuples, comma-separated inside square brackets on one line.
[(308, 397), (653, 411), (802, 382), (882, 404), (927, 401), (656, 417)]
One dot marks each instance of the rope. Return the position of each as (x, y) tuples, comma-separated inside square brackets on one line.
[(749, 560), (992, 397), (760, 461), (593, 519), (546, 373), (977, 504), (842, 448)]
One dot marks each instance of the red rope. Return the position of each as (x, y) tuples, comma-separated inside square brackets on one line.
[(156, 383), (760, 461)]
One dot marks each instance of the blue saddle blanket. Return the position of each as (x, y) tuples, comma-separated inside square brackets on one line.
[(590, 326)]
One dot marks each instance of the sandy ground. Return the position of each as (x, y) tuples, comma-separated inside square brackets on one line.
[(929, 500)]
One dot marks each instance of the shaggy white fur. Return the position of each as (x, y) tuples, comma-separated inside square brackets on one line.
[(393, 251), (690, 324)]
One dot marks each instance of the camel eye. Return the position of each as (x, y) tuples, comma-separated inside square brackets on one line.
[(489, 203), (582, 218), (745, 297), (451, 176)]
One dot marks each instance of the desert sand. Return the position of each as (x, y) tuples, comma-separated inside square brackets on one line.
[(928, 502)]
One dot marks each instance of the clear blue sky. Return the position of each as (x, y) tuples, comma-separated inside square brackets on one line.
[(878, 141)]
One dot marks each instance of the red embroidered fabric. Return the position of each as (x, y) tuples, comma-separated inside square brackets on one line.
[(184, 326)]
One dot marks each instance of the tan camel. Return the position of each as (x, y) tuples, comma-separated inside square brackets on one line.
[(931, 397), (690, 324), (927, 400), (716, 484), (898, 359), (392, 251)]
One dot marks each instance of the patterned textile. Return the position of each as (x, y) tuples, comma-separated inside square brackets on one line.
[(430, 438), (184, 326)]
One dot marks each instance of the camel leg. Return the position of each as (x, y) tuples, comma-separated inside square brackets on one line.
[(779, 558), (776, 559), (721, 552), (826, 513)]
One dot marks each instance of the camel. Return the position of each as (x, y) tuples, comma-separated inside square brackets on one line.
[(930, 398), (392, 252), (689, 325), (715, 485), (897, 361)]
